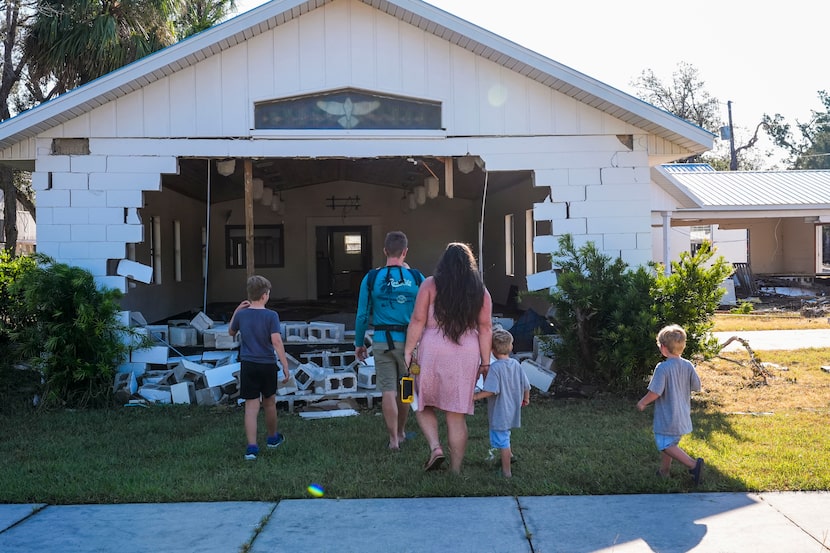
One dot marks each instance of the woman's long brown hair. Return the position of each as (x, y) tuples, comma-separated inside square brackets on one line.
[(459, 291)]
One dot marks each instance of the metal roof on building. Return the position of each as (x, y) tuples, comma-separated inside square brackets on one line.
[(741, 189)]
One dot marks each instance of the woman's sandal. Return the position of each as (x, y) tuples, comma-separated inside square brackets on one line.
[(435, 460)]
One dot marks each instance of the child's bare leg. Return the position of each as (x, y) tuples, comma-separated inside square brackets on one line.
[(269, 405), (251, 414), (506, 454), (674, 452), (665, 464)]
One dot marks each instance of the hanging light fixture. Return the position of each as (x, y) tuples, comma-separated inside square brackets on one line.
[(275, 203), (413, 203), (256, 188), (431, 184), (226, 167), (267, 195), (466, 164)]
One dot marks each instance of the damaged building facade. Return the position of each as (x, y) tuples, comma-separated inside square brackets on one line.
[(300, 132)]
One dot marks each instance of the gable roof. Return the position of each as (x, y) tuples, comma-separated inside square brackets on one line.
[(700, 186), (414, 12)]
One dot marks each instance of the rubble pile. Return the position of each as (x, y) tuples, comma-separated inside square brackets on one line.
[(211, 376)]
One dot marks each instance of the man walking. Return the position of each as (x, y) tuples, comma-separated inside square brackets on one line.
[(387, 297)]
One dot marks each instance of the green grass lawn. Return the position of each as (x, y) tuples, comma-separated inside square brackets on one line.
[(565, 446)]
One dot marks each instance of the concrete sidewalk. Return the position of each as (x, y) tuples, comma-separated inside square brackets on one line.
[(700, 522), (760, 340)]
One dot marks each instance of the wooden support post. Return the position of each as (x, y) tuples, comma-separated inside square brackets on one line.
[(249, 217)]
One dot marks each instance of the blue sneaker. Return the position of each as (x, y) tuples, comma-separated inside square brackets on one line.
[(275, 441), (251, 452)]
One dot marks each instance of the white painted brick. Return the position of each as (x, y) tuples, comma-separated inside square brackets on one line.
[(52, 249), (52, 163), (550, 177), (541, 281), (113, 282), (133, 218), (106, 215), (545, 244), (581, 240), (125, 181), (142, 164), (70, 250), (52, 198), (625, 175), (584, 176), (548, 211), (636, 258), (87, 198), (68, 215), (88, 233), (96, 267), (88, 164), (125, 233), (617, 242), (619, 192), (183, 392), (125, 198), (568, 193), (630, 159), (40, 180), (107, 250), (591, 210), (46, 215), (613, 225), (52, 233), (222, 375), (153, 354), (570, 226), (70, 181)]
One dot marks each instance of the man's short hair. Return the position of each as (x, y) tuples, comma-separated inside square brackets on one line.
[(673, 337), (395, 243), (502, 341), (256, 286)]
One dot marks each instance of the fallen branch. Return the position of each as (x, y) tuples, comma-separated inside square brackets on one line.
[(755, 364)]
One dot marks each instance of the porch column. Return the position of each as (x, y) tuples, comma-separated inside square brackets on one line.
[(666, 248)]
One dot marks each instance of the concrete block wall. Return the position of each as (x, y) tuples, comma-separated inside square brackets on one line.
[(83, 204), (600, 199)]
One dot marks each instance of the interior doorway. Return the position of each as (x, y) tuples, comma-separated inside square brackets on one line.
[(344, 255)]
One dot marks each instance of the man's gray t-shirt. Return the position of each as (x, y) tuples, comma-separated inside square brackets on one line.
[(674, 380), (507, 379)]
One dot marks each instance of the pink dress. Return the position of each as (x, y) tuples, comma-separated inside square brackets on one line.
[(448, 370)]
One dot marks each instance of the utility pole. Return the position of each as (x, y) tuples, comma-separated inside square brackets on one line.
[(733, 159)]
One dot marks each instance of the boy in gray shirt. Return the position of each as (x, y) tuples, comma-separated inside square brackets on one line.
[(670, 390), (507, 390)]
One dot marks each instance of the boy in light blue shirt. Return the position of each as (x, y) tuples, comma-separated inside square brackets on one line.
[(507, 390)]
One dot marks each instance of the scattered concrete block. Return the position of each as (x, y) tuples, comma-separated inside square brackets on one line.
[(183, 392), (123, 318), (539, 376), (320, 331), (137, 369), (137, 319), (201, 322), (306, 374), (134, 270), (158, 332), (208, 396), (366, 377), (339, 382), (182, 336), (294, 331), (226, 341), (153, 354), (222, 375), (155, 393)]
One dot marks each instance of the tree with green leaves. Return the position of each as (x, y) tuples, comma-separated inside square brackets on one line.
[(806, 143)]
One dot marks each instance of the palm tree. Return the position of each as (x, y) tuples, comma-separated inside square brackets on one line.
[(198, 15), (76, 41)]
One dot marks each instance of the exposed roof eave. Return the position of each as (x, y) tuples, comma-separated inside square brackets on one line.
[(415, 12)]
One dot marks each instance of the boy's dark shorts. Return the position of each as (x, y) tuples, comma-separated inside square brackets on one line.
[(257, 379)]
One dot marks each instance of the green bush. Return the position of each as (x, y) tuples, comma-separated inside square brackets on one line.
[(607, 316), (65, 328)]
